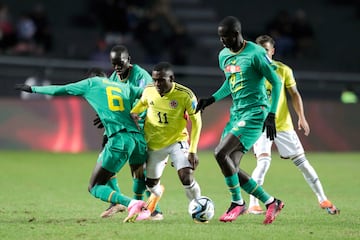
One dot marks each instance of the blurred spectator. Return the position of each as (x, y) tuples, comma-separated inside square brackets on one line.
[(7, 29), (101, 53), (25, 32), (136, 11), (33, 32), (280, 28), (113, 18), (43, 35), (156, 30), (180, 45), (303, 34)]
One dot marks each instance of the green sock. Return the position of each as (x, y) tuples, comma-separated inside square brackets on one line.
[(251, 187), (113, 184), (106, 194), (234, 187), (139, 188)]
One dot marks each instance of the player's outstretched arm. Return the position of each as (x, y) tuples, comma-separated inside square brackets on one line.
[(221, 93)]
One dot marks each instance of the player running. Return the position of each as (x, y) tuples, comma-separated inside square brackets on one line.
[(245, 67), (169, 105), (112, 101), (132, 75), (287, 141)]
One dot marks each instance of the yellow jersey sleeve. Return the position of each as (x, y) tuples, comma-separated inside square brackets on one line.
[(283, 117)]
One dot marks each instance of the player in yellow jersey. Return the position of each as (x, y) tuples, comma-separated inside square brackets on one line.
[(287, 141), (169, 105)]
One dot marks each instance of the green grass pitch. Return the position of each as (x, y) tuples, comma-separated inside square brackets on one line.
[(44, 196)]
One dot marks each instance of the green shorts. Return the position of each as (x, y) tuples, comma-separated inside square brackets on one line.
[(123, 147), (246, 125)]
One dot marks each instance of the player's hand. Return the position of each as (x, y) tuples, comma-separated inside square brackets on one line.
[(203, 103), (194, 160), (303, 124), (136, 119), (97, 122), (23, 87), (269, 125)]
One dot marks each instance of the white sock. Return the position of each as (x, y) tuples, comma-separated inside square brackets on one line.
[(310, 176), (157, 190), (262, 166), (192, 191)]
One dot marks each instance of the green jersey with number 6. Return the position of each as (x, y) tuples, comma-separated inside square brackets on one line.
[(112, 101)]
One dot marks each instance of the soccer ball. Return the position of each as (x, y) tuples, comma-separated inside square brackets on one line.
[(201, 209)]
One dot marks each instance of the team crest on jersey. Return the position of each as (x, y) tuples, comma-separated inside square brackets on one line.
[(173, 103), (232, 69), (242, 123), (193, 104)]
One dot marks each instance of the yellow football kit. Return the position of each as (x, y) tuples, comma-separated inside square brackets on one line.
[(283, 117), (166, 118)]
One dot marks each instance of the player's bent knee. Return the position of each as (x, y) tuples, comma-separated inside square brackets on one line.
[(151, 182), (220, 155), (186, 176)]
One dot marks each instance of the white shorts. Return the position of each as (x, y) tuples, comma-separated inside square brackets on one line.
[(287, 143), (157, 160)]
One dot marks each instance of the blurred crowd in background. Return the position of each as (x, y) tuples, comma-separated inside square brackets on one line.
[(154, 27), (28, 34), (151, 23)]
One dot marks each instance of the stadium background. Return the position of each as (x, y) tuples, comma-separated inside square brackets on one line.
[(65, 124)]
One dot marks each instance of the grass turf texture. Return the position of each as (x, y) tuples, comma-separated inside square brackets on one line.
[(44, 196)]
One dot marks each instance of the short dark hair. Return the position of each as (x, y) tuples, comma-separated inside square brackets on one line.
[(119, 49), (95, 72), (163, 66), (231, 22), (264, 39)]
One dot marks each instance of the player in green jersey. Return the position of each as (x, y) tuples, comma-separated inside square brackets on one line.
[(132, 75), (287, 141), (112, 101), (169, 105), (245, 66)]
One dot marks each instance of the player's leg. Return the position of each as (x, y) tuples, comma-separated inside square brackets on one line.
[(112, 183), (137, 162), (247, 134), (262, 152), (113, 208), (179, 156), (110, 161), (155, 166), (289, 146), (139, 188), (229, 167), (138, 171), (98, 186), (138, 175), (157, 214)]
